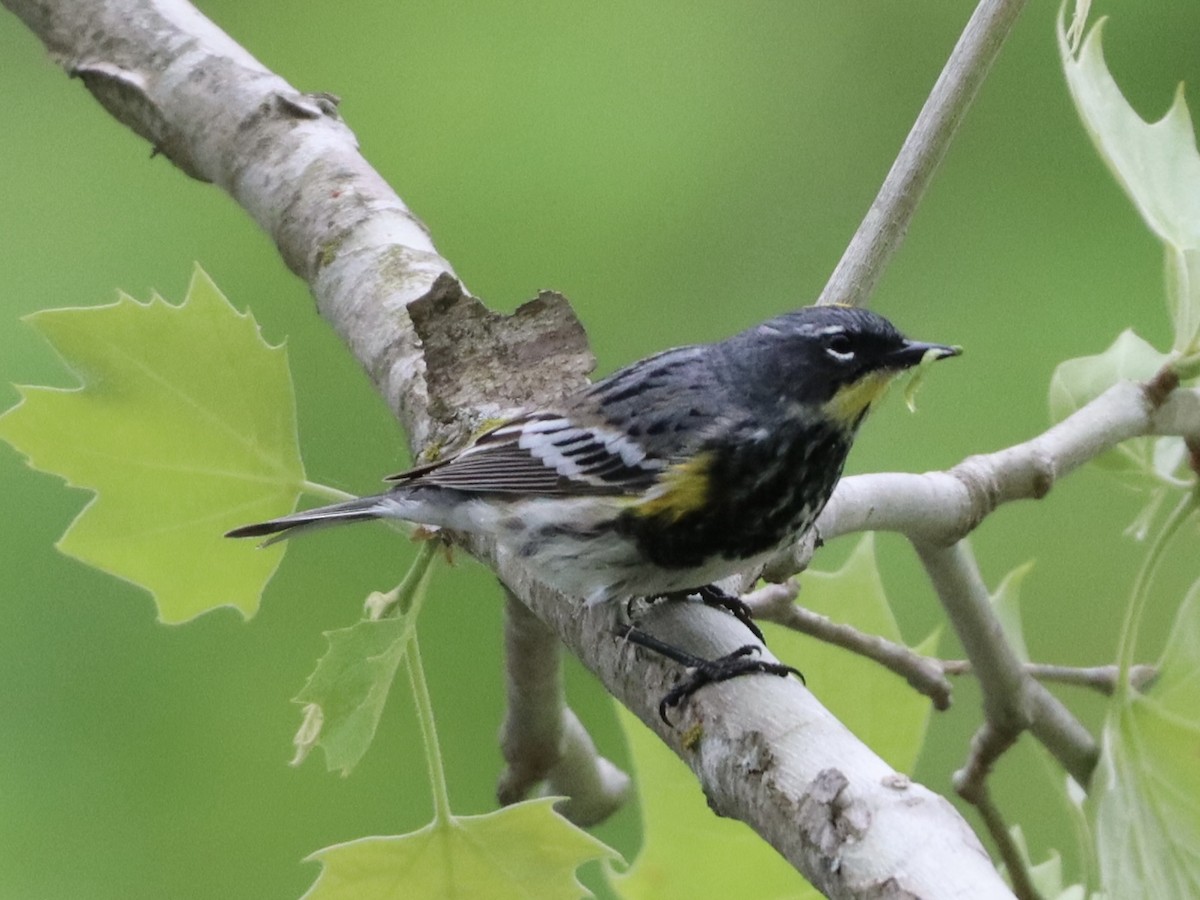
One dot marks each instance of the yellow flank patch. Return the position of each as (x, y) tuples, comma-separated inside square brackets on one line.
[(853, 400), (682, 489)]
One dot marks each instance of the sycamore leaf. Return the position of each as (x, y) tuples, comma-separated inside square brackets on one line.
[(687, 851), (522, 851), (1146, 790), (1156, 163), (184, 426), (1007, 604), (345, 695), (1077, 382)]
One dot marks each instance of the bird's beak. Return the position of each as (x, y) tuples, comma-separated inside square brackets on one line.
[(914, 352)]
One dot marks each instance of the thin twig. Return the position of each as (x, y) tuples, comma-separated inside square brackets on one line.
[(773, 603), (925, 674), (886, 223), (1098, 678), (1012, 701), (1010, 853), (987, 745)]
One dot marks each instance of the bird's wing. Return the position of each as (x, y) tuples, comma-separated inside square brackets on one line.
[(619, 436), (544, 454)]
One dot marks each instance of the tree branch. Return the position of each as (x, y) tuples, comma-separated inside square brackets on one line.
[(939, 508), (768, 753)]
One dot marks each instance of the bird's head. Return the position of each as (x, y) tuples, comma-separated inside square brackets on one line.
[(835, 359)]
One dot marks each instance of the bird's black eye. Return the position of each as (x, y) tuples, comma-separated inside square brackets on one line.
[(840, 347)]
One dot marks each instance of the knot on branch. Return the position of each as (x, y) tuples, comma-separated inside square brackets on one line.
[(977, 475), (308, 106), (479, 363), (995, 478), (828, 815), (1160, 387)]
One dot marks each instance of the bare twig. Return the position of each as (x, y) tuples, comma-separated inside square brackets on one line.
[(1013, 859), (1012, 701), (886, 223), (1098, 678), (773, 603), (940, 508), (925, 674)]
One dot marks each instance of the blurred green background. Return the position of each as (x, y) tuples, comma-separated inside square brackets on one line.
[(680, 171)]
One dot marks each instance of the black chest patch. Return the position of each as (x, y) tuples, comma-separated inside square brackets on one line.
[(760, 492)]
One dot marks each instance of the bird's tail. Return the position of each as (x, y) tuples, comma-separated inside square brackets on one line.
[(360, 509)]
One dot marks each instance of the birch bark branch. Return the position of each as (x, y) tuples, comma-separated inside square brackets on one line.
[(767, 752)]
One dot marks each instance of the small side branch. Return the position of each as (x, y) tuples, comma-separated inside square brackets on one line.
[(886, 223), (1012, 701), (774, 603), (925, 674), (1098, 678), (939, 508), (543, 741)]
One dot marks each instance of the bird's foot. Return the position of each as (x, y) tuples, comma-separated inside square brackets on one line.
[(714, 596), (742, 661), (731, 603)]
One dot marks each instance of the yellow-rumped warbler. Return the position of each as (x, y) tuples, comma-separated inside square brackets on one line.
[(679, 470)]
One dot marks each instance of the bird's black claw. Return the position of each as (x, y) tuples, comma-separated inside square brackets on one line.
[(742, 661), (715, 596)]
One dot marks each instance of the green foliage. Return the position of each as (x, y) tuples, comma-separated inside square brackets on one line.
[(1146, 791), (1007, 603), (345, 695), (1046, 876), (1145, 794), (1157, 165), (525, 850), (167, 432), (1077, 382), (522, 851)]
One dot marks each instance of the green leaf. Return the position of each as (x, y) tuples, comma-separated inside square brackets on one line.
[(1007, 604), (1146, 790), (522, 851), (686, 850), (1156, 163), (1077, 382), (1046, 876), (689, 852), (184, 426), (345, 695), (879, 707)]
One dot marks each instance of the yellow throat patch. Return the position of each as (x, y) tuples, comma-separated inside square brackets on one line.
[(852, 400), (682, 489)]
